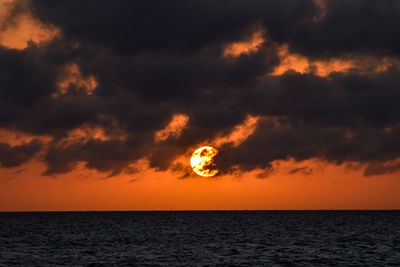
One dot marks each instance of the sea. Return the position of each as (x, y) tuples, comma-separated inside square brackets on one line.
[(200, 238)]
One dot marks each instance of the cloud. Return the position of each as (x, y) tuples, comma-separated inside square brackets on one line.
[(18, 26), (236, 49), (379, 168), (72, 80), (173, 129), (239, 134), (176, 25), (151, 80), (13, 156), (364, 26)]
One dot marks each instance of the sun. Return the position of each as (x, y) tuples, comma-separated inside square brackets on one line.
[(202, 161)]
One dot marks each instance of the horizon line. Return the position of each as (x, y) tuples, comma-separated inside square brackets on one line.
[(186, 210)]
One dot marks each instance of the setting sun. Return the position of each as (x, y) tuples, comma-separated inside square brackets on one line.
[(202, 161)]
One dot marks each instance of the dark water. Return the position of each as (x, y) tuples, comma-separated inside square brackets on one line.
[(280, 238)]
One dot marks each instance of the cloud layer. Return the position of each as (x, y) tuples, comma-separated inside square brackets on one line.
[(130, 68)]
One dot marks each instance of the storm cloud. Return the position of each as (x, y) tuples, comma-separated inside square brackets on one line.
[(150, 60)]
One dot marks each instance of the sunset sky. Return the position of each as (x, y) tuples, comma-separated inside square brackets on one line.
[(103, 103)]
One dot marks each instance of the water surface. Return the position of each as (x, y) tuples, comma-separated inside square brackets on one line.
[(281, 238)]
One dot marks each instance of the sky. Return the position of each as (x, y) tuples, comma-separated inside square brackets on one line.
[(103, 103)]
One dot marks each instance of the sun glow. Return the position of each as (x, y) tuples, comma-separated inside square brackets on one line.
[(202, 161)]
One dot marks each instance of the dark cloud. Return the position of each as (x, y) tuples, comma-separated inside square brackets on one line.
[(341, 99), (20, 71), (302, 142), (183, 26), (363, 26), (153, 59), (302, 170), (12, 156), (379, 168), (110, 155)]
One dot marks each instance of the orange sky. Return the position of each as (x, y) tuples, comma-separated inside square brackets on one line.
[(329, 188), (24, 188)]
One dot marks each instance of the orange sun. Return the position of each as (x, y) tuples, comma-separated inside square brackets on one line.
[(202, 161)]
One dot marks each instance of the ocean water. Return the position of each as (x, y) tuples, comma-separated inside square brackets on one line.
[(242, 238)]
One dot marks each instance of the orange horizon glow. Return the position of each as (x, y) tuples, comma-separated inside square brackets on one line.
[(333, 187)]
